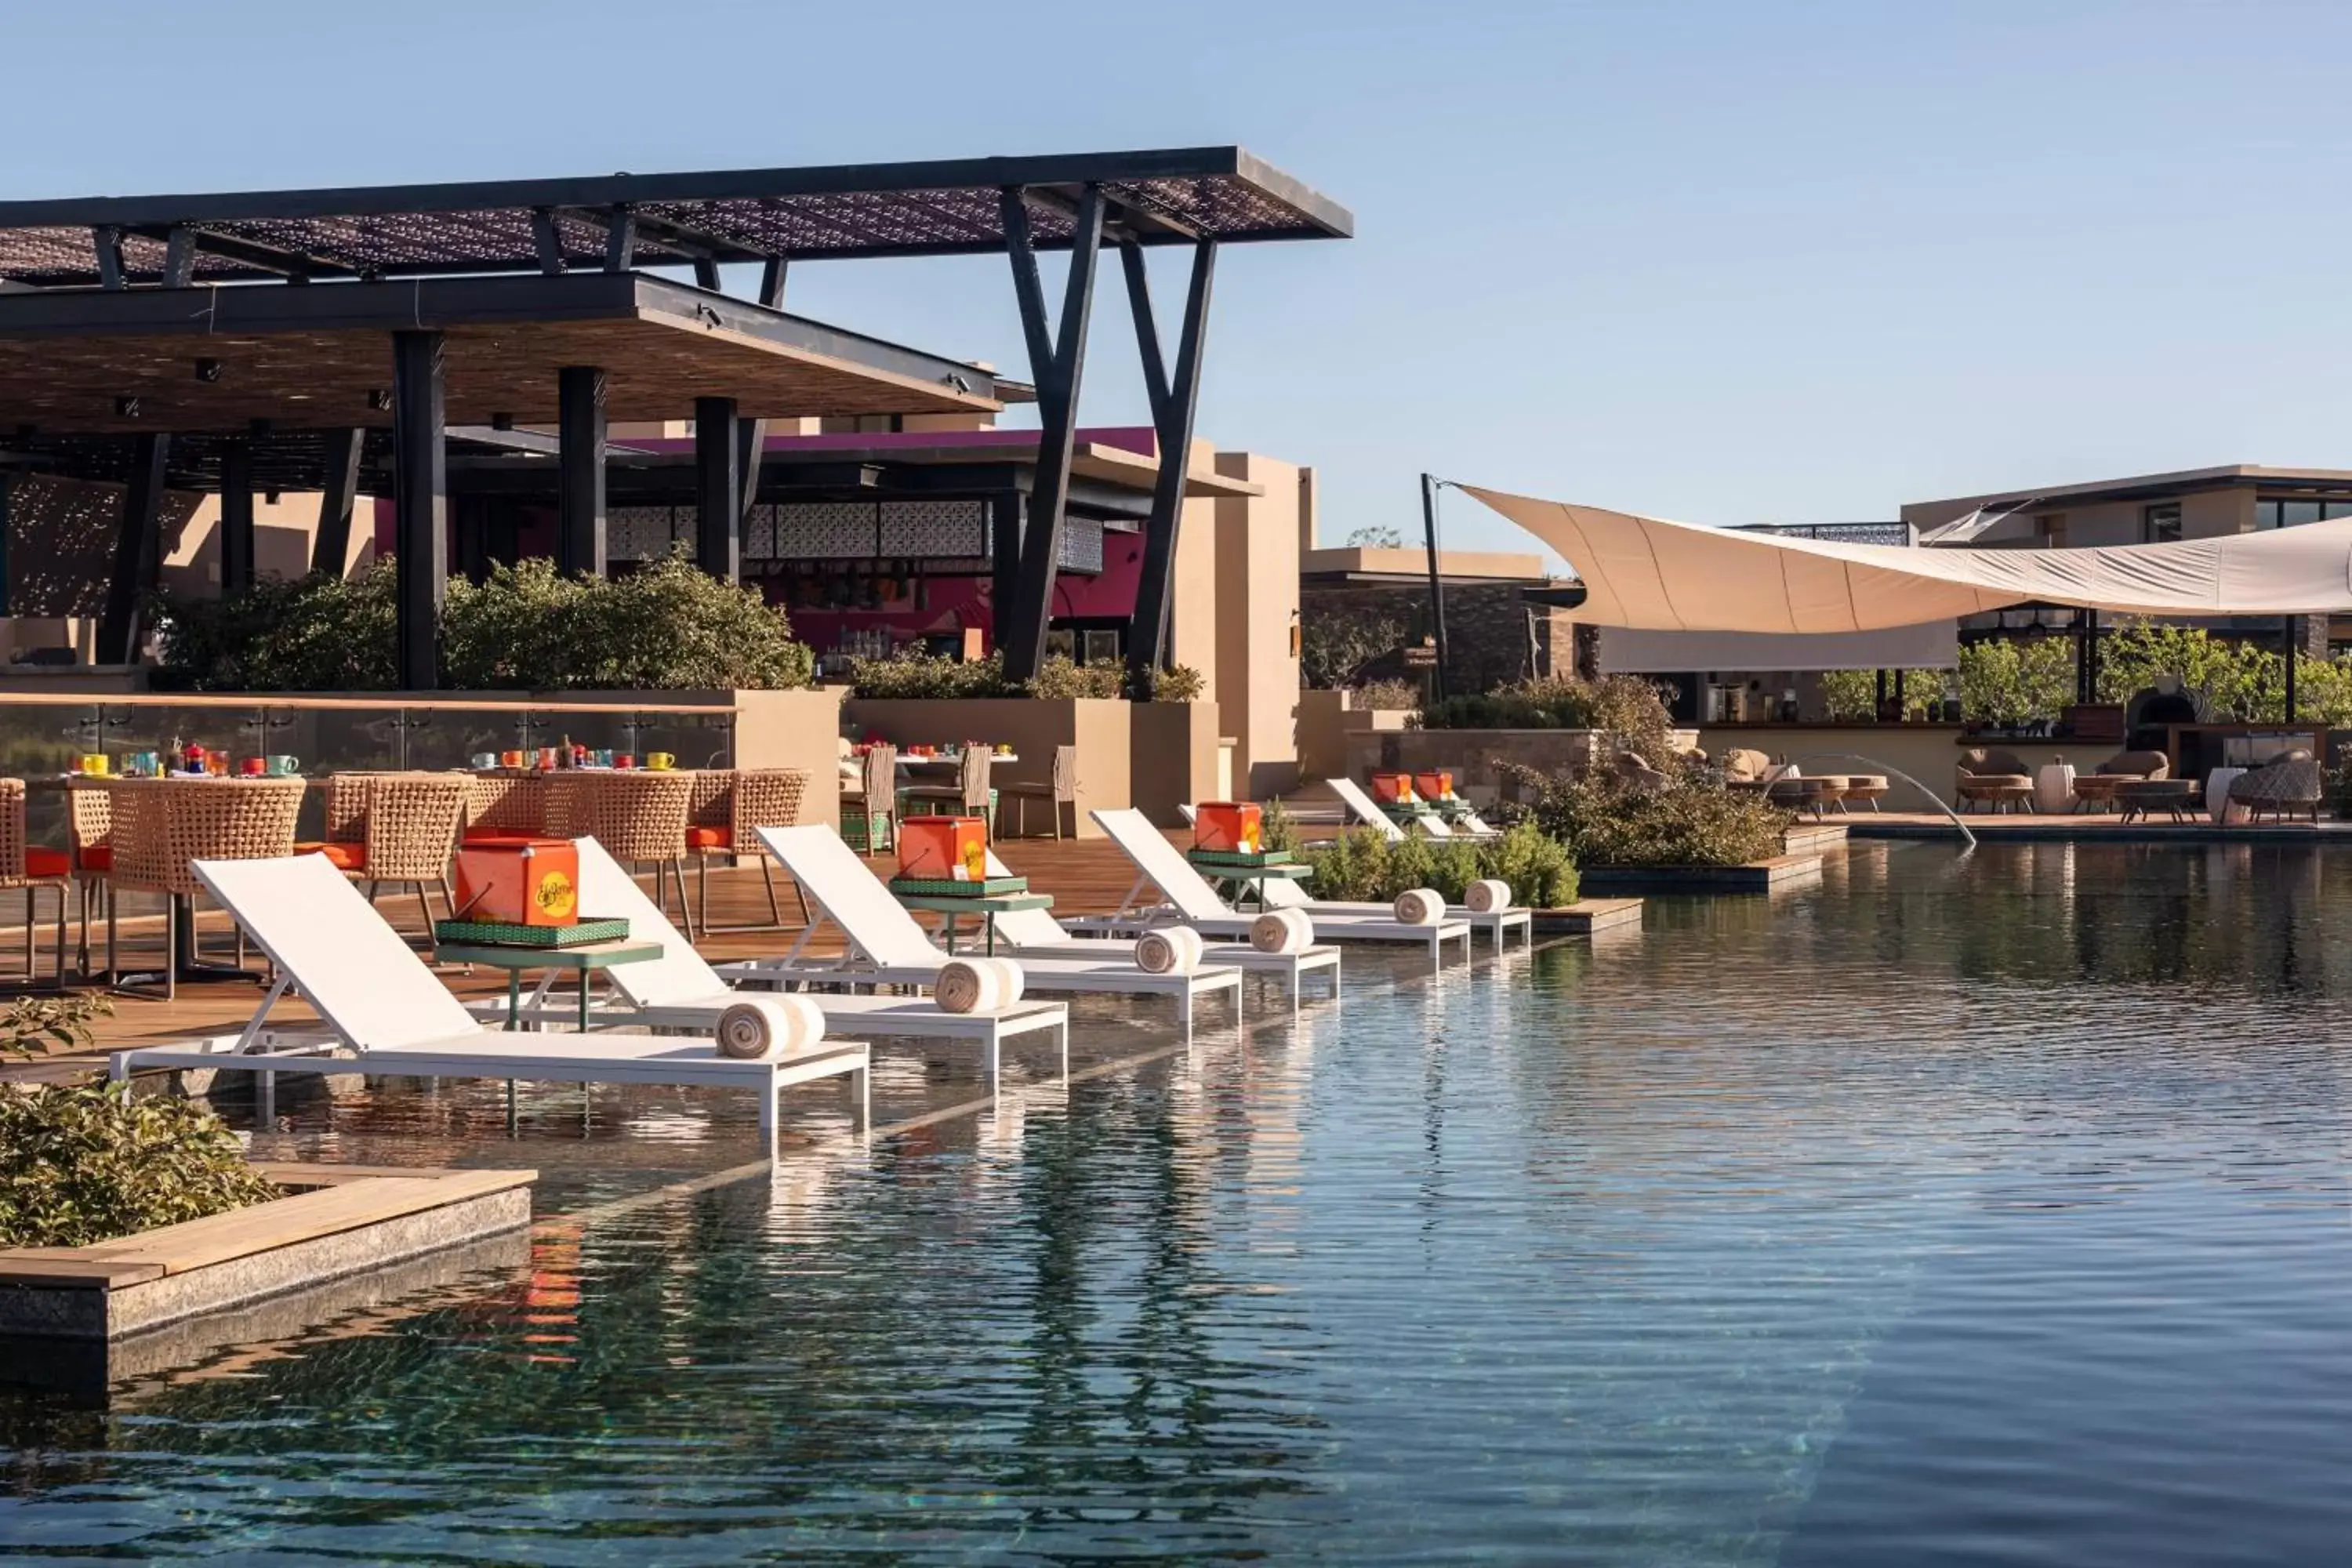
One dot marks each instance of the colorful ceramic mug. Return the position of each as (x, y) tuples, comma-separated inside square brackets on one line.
[(285, 767), (253, 767), (660, 760), (485, 761), (510, 759)]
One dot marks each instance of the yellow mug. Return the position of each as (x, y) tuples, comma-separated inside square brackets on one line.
[(94, 765), (660, 760)]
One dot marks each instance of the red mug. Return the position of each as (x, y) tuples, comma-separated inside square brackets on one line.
[(626, 760), (253, 767)]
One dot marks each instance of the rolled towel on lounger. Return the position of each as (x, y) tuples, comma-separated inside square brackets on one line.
[(1176, 951), (1487, 896), (777, 1026), (1420, 907), (1282, 930), (978, 985)]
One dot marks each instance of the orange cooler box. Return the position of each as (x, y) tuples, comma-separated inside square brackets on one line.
[(1438, 785), (1391, 789), (943, 848), (1228, 827), (519, 882)]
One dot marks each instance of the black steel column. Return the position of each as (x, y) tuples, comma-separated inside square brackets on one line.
[(1174, 401), (1879, 710), (333, 546), (138, 551), (718, 490), (236, 541), (420, 468), (1436, 581), (580, 436), (8, 598), (1004, 524), (1057, 365)]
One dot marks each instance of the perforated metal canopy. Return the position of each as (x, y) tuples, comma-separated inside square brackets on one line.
[(930, 208)]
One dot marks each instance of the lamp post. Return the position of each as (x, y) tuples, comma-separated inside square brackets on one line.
[(1429, 483)]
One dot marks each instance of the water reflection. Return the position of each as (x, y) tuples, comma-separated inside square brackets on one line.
[(1982, 1208)]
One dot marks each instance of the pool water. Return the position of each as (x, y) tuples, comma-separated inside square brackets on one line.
[(1983, 1209)]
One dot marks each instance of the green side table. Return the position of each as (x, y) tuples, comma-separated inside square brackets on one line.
[(987, 908), (582, 961)]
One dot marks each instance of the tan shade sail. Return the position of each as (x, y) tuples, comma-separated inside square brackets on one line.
[(1676, 576)]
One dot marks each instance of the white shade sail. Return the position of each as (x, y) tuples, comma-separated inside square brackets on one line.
[(1677, 577)]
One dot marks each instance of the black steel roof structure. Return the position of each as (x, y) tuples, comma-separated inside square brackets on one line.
[(143, 335), (1222, 194)]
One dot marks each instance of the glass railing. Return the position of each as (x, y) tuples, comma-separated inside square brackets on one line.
[(42, 736)]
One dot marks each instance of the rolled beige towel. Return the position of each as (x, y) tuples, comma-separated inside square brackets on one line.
[(1282, 930), (1176, 951), (759, 1027), (1487, 896), (978, 985), (1420, 907)]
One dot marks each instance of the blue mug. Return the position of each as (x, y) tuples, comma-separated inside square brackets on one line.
[(485, 761)]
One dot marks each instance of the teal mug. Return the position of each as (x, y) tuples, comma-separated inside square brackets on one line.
[(285, 767)]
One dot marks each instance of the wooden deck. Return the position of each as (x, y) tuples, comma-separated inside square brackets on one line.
[(1084, 876)]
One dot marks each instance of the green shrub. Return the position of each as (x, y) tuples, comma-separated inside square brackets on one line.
[(911, 674), (1385, 697), (668, 627), (1630, 710), (85, 1163), (1691, 822), (1361, 865)]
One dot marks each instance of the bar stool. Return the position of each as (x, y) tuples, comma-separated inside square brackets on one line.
[(876, 802), (32, 869), (731, 805)]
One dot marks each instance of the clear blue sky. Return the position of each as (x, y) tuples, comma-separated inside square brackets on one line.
[(1728, 262)]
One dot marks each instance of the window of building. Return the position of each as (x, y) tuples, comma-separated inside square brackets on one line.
[(2294, 514), (2160, 524)]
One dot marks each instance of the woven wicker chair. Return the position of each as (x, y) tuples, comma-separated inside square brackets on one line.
[(1992, 779), (407, 826), (507, 806), (2291, 786), (1060, 791), (90, 838), (638, 817), (162, 826), (32, 869), (730, 807), (868, 813)]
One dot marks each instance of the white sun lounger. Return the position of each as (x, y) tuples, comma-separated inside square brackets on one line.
[(887, 946), (679, 990), (1036, 935), (387, 1015), (1287, 895), (1192, 901), (1368, 811)]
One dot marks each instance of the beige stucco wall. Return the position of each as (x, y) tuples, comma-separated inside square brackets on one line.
[(1171, 757), (283, 532), (795, 729), (1258, 603)]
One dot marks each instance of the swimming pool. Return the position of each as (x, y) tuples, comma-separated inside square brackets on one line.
[(1961, 1209)]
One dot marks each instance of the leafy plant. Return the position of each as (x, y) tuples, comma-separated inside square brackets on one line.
[(1362, 864), (2017, 681), (1177, 683), (1058, 677), (1385, 697), (1629, 711), (84, 1162), (1690, 821), (1277, 829), (1853, 694), (669, 626)]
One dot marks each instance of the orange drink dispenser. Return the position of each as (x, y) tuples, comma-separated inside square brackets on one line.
[(943, 848), (1393, 789), (1228, 827), (1434, 785), (519, 882)]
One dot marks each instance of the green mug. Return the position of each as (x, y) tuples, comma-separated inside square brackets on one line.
[(285, 767)]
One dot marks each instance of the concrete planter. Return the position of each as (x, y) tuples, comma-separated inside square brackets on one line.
[(1756, 877), (346, 1221), (1100, 728)]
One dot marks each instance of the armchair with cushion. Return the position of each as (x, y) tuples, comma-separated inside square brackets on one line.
[(1992, 779), (2289, 786)]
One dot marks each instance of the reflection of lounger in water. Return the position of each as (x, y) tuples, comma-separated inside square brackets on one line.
[(387, 1016)]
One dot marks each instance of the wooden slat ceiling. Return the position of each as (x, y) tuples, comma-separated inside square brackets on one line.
[(655, 367)]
